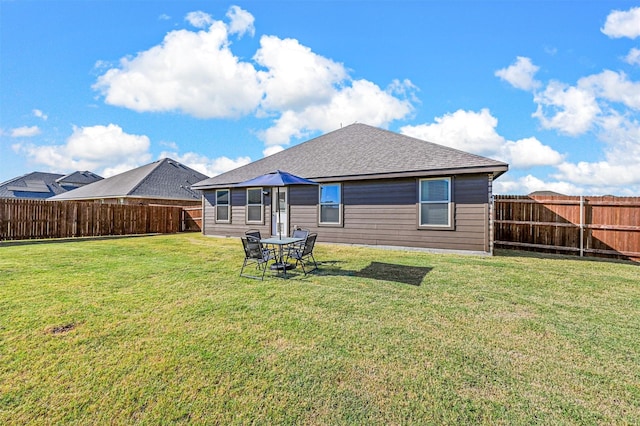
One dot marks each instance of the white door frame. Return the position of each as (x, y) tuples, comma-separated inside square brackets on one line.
[(284, 213)]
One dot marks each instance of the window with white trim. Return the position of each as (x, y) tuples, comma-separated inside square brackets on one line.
[(254, 205), (435, 202), (330, 204), (223, 206)]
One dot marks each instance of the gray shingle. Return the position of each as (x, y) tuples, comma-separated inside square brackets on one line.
[(39, 185), (359, 150), (165, 179), (79, 178)]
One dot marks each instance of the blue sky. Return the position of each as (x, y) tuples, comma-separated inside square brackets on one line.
[(551, 87)]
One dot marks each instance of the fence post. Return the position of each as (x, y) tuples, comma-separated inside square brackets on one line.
[(581, 225)]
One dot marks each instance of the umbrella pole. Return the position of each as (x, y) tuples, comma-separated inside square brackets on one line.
[(279, 224)]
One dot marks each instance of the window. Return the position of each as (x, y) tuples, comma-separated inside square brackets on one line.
[(330, 204), (254, 205), (435, 202), (223, 211)]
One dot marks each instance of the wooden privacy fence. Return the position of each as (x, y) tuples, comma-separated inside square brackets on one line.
[(30, 219), (585, 226), (191, 219)]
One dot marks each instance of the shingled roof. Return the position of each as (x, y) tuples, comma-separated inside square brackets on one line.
[(360, 151), (76, 179), (162, 179), (40, 185)]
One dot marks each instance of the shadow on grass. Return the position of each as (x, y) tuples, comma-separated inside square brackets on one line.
[(412, 275)]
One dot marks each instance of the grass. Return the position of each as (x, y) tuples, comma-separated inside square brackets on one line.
[(158, 330)]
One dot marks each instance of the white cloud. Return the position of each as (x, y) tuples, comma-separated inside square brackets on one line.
[(475, 132), (622, 136), (25, 132), (195, 73), (92, 148), (574, 110), (618, 172), (363, 101), (273, 149), (570, 110), (465, 130), (241, 21), (605, 104), (288, 126), (116, 169), (601, 177), (99, 142), (295, 77), (619, 169), (612, 86), (529, 183), (633, 57), (520, 74), (208, 166), (199, 19), (623, 23), (38, 113), (169, 145), (529, 152)]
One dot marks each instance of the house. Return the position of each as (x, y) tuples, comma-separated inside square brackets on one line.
[(39, 185), (546, 194), (375, 187), (165, 181)]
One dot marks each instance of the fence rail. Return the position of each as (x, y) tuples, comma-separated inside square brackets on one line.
[(586, 226), (35, 219), (191, 219)]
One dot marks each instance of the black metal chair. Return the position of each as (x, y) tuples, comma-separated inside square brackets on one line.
[(255, 253), (253, 233), (298, 233), (304, 255)]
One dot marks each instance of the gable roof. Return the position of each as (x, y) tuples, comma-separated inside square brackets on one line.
[(79, 178), (42, 185), (163, 179), (361, 151)]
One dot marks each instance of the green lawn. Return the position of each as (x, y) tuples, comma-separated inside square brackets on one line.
[(163, 330)]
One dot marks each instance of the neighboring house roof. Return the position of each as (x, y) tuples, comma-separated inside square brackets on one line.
[(77, 179), (545, 194), (44, 185), (360, 151), (162, 179)]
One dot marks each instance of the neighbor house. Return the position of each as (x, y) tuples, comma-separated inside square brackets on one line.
[(165, 182), (39, 185), (375, 187)]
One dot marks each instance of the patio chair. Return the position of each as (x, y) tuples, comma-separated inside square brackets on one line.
[(253, 233), (255, 253), (304, 254), (298, 233)]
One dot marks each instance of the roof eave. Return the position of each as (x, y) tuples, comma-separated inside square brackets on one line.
[(496, 170), (110, 197)]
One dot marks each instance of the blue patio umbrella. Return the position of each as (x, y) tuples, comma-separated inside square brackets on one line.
[(277, 179)]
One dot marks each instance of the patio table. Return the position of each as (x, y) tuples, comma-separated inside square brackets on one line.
[(281, 243)]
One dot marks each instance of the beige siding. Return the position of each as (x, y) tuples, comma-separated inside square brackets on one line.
[(381, 212)]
